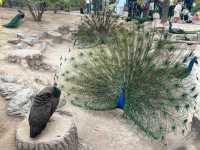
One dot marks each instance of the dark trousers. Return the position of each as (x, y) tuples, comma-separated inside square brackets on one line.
[(171, 11), (130, 8), (88, 8), (81, 11), (161, 9)]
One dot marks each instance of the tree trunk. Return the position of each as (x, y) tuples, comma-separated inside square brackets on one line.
[(37, 16), (32, 12), (165, 11)]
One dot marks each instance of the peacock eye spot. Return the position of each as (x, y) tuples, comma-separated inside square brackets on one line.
[(185, 121), (187, 106)]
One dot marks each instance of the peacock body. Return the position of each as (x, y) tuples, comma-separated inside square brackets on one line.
[(43, 107)]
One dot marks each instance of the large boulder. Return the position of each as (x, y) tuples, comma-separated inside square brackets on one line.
[(32, 59), (19, 96), (55, 36), (20, 104)]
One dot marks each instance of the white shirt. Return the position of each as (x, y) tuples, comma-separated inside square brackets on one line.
[(121, 3), (87, 1)]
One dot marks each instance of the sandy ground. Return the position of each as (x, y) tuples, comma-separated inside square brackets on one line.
[(97, 130)]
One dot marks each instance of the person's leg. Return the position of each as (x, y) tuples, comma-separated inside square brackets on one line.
[(170, 12), (130, 8), (87, 8), (90, 6)]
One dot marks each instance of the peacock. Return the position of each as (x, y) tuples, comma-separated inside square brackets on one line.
[(43, 107), (15, 22), (141, 76)]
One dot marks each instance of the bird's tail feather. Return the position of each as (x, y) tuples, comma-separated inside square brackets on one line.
[(34, 131)]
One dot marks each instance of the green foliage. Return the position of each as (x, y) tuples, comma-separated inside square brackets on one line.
[(96, 28), (60, 5), (151, 73), (75, 3)]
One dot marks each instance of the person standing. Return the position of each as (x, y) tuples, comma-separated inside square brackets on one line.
[(130, 9), (88, 6), (96, 5), (171, 8), (151, 8), (120, 7), (82, 5), (188, 4), (160, 8)]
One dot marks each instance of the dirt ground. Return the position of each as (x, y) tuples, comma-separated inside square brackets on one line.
[(97, 130)]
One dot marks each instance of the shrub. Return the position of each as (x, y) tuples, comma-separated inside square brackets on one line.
[(96, 28)]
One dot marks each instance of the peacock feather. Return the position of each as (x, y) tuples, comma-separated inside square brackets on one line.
[(150, 73)]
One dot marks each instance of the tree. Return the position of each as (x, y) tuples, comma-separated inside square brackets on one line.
[(165, 11), (60, 4), (36, 8)]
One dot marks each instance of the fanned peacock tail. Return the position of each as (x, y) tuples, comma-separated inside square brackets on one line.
[(151, 72)]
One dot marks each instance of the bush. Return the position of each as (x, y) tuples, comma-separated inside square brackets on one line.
[(156, 99), (96, 28)]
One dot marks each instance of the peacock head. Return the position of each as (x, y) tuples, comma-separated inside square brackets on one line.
[(56, 91)]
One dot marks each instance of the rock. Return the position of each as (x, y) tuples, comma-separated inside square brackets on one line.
[(185, 37), (43, 35), (9, 79), (15, 41), (26, 58), (20, 104), (59, 134), (43, 47), (9, 89), (20, 35), (64, 29), (62, 102), (56, 36), (21, 45), (30, 40), (25, 53)]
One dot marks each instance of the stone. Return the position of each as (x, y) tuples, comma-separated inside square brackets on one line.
[(20, 104), (25, 53), (9, 89), (30, 40), (56, 36), (15, 41), (59, 134), (19, 96), (43, 35), (43, 47), (9, 79), (20, 35), (64, 29), (21, 45)]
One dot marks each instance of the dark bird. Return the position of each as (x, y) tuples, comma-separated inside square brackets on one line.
[(44, 105)]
